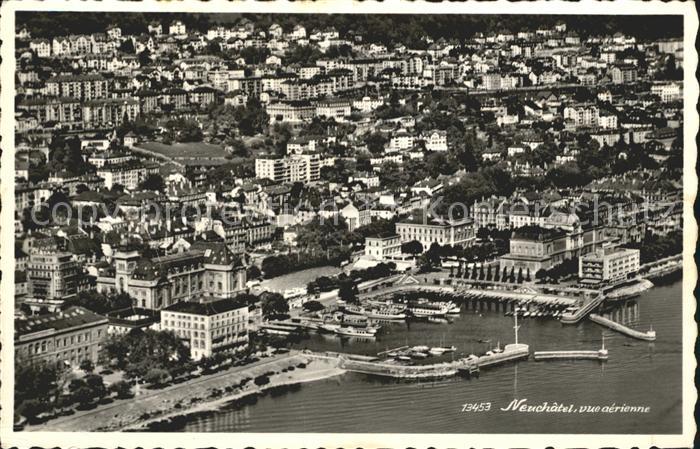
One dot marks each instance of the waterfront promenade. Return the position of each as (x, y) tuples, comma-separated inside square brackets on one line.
[(192, 395)]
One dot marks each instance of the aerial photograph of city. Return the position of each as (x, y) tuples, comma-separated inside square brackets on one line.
[(348, 223)]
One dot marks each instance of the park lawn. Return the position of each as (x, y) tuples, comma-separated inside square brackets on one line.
[(185, 150)]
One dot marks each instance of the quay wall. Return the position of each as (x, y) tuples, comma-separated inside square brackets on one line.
[(471, 293)]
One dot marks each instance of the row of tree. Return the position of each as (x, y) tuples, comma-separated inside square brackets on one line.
[(280, 264), (492, 273), (327, 283), (654, 247)]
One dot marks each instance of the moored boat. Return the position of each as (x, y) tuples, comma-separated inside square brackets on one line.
[(437, 351), (350, 331), (386, 313)]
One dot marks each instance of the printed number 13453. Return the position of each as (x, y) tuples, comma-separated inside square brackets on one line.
[(476, 407)]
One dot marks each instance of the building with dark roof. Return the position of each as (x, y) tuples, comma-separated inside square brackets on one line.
[(63, 338), (207, 271), (534, 248)]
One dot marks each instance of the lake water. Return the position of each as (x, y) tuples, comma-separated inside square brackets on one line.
[(638, 373)]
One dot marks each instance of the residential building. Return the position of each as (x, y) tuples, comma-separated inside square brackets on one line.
[(42, 47), (177, 28), (52, 273), (335, 109), (128, 174), (81, 87), (667, 91), (356, 216), (582, 115), (623, 74), (383, 247), (435, 140), (109, 112), (293, 168)]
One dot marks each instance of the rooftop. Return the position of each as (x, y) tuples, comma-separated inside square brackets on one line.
[(538, 233), (71, 317), (207, 308)]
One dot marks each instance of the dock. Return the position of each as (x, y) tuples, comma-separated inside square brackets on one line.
[(581, 312), (400, 348), (600, 354), (649, 335), (463, 292), (279, 328)]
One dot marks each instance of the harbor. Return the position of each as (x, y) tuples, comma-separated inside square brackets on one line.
[(433, 339), (371, 400)]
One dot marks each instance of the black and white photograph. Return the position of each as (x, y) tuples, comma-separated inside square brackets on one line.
[(369, 221)]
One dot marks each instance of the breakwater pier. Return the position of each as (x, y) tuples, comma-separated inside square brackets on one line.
[(600, 354), (468, 365), (649, 335)]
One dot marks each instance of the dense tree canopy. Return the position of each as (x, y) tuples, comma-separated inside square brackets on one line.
[(139, 352)]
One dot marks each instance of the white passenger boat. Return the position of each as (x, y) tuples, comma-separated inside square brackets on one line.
[(378, 313), (350, 331)]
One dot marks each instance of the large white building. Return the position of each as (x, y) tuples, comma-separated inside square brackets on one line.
[(208, 328), (335, 109), (177, 28), (383, 247), (435, 140), (440, 231), (667, 92), (293, 168), (128, 174), (582, 115), (608, 264)]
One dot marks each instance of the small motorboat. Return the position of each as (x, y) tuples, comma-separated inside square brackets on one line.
[(437, 351)]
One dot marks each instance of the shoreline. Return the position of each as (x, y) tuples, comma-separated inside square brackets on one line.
[(216, 404), (185, 396)]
